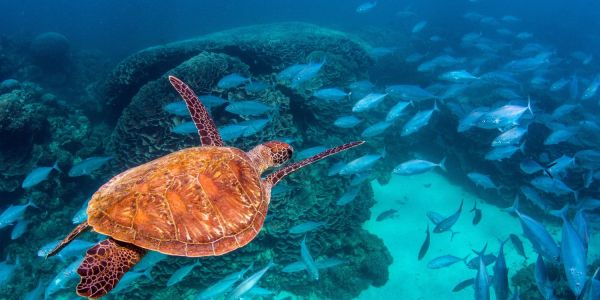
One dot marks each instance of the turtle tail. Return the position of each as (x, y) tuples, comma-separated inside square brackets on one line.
[(276, 176), (104, 265)]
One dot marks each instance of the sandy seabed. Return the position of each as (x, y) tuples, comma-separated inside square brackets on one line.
[(410, 279)]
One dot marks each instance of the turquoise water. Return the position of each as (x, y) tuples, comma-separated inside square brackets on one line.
[(464, 127)]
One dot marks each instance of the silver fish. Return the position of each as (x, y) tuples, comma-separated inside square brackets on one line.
[(348, 196), (61, 279), (248, 283), (231, 81), (306, 227), (248, 108), (360, 164), (396, 111), (181, 273), (418, 166), (14, 213), (418, 121), (19, 229), (38, 175), (309, 262), (368, 102), (347, 122), (88, 165), (482, 180), (376, 129)]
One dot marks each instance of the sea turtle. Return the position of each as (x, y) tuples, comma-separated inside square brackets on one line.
[(199, 201)]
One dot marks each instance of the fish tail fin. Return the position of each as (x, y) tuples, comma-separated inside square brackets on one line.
[(55, 166), (482, 252), (522, 147), (529, 105), (453, 233), (474, 206), (560, 213), (465, 259), (435, 106), (148, 274), (30, 203), (442, 164), (515, 207)]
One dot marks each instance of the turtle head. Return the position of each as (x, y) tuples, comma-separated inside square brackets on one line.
[(271, 154)]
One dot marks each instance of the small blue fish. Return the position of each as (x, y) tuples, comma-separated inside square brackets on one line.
[(211, 101), (248, 283), (232, 132), (260, 292), (471, 119), (447, 223), (253, 126), (419, 27), (458, 76), (19, 229), (368, 102), (559, 85), (38, 175), (287, 74), (552, 186), (88, 165), (418, 121), (129, 278), (73, 249), (418, 166), (14, 213), (177, 108), (306, 153), (231, 81), (530, 166), (81, 214), (366, 7), (409, 93), (336, 168), (500, 279), (330, 94), (181, 273), (482, 280), (149, 261), (396, 111), (255, 87), (348, 196), (222, 286), (7, 271), (537, 234), (544, 285), (376, 129), (347, 122), (573, 254), (512, 136), (307, 73), (308, 261), (560, 136), (535, 198), (503, 152), (445, 261), (248, 108), (482, 180), (60, 281), (185, 128), (306, 227), (37, 293), (503, 117), (360, 164)]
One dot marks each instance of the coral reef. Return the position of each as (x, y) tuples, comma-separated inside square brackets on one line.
[(50, 49)]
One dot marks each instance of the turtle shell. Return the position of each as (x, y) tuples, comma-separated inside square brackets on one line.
[(199, 201)]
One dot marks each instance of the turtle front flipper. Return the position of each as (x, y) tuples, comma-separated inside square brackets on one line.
[(209, 135), (276, 176), (104, 265)]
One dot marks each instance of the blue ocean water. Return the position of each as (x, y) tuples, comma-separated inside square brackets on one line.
[(424, 149)]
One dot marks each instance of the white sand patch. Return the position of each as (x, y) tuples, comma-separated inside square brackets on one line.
[(403, 235)]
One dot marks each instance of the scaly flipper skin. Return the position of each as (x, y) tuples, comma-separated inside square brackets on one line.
[(104, 265), (275, 177), (209, 135), (79, 229)]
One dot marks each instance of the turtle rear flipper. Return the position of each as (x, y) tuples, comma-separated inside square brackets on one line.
[(104, 265)]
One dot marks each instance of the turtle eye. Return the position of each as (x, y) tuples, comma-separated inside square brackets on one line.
[(280, 152)]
